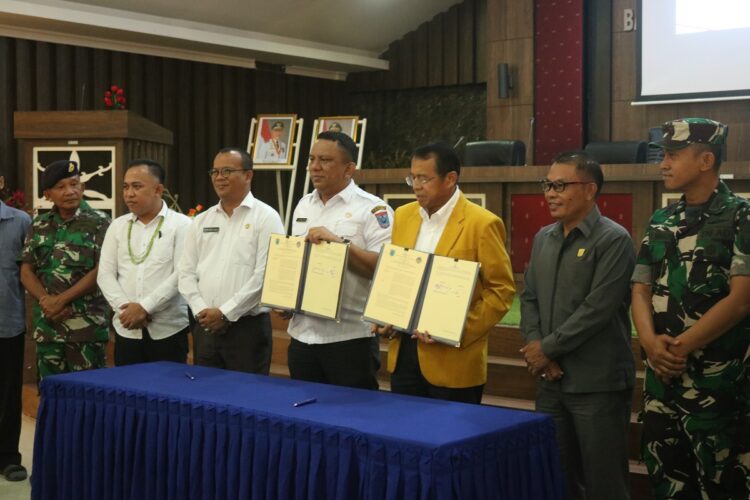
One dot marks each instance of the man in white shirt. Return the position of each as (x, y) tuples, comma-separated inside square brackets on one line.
[(222, 266), (137, 272), (274, 149), (323, 350)]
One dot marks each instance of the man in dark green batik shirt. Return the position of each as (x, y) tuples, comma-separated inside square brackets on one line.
[(691, 299), (574, 318), (59, 265)]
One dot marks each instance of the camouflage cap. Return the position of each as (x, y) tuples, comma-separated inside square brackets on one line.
[(57, 171), (680, 133)]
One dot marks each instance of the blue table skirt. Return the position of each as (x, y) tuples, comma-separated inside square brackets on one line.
[(150, 432)]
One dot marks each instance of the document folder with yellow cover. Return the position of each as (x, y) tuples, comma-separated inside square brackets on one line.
[(303, 277), (414, 290)]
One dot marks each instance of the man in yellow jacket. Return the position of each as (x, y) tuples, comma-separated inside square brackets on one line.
[(442, 221)]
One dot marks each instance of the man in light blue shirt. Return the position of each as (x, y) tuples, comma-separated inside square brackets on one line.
[(14, 224)]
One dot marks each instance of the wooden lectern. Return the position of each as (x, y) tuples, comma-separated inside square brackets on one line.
[(102, 142)]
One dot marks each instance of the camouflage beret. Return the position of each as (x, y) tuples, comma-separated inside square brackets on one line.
[(57, 171), (680, 133)]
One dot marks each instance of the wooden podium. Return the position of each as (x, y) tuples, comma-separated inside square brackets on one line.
[(102, 142)]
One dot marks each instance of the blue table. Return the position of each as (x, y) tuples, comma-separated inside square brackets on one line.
[(151, 432)]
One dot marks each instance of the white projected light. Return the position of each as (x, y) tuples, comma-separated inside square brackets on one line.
[(693, 50), (695, 16)]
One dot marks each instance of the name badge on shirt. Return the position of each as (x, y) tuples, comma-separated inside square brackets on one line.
[(210, 229), (301, 219)]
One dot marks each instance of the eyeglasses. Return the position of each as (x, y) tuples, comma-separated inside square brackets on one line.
[(410, 181), (224, 172), (558, 186)]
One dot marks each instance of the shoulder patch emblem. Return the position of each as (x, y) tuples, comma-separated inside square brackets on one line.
[(381, 214)]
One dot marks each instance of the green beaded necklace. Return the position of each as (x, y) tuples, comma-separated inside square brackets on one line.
[(140, 259)]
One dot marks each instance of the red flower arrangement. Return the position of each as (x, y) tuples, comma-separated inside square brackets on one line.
[(114, 98), (194, 211), (15, 199)]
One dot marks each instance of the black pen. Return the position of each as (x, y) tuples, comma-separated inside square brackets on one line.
[(187, 374), (304, 402)]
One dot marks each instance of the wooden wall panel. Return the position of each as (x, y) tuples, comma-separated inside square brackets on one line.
[(206, 106), (450, 46), (480, 42), (447, 50), (466, 42), (510, 36)]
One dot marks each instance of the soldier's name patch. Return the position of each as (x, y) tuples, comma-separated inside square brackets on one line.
[(300, 219), (210, 229), (717, 233)]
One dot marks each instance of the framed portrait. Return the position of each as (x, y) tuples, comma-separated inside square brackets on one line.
[(274, 140), (395, 200), (345, 124)]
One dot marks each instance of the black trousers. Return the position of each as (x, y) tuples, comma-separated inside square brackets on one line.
[(145, 350), (244, 347), (408, 378), (11, 381), (350, 363)]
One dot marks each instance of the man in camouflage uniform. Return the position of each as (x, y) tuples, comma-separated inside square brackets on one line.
[(59, 265), (691, 299)]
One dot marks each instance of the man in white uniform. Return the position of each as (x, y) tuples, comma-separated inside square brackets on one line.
[(137, 272), (324, 350), (274, 149), (222, 266)]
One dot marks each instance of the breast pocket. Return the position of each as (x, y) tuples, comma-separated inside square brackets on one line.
[(163, 248), (349, 231), (661, 245), (709, 274), (76, 256), (299, 228), (246, 247)]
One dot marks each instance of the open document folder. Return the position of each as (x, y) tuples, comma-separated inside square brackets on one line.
[(303, 277), (414, 290)]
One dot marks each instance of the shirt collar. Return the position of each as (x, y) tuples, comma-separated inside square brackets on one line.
[(715, 204), (444, 211), (248, 201), (162, 213), (4, 211), (345, 194), (586, 226)]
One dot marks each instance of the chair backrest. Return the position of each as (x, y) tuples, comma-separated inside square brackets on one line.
[(618, 152), (654, 155), (490, 153)]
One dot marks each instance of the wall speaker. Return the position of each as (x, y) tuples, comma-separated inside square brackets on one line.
[(504, 83)]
